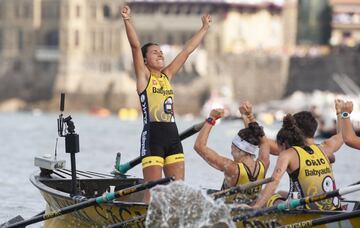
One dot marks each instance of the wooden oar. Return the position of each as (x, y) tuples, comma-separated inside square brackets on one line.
[(297, 202), (185, 134), (93, 201), (324, 220), (240, 188), (129, 222)]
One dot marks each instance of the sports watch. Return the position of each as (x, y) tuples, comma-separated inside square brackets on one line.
[(211, 121), (345, 115)]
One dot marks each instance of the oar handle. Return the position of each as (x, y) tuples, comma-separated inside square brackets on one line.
[(185, 134), (129, 165)]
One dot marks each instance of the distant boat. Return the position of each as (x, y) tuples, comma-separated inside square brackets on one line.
[(100, 112)]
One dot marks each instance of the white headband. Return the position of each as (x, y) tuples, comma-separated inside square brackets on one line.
[(245, 146)]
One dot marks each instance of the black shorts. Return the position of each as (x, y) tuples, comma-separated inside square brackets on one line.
[(160, 144)]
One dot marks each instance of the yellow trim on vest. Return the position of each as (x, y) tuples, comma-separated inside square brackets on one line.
[(174, 158), (244, 177), (151, 161)]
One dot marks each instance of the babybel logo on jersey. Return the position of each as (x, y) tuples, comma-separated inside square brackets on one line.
[(315, 172), (162, 91)]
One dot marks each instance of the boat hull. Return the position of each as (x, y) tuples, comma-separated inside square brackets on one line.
[(130, 207), (117, 211), (95, 216), (277, 220)]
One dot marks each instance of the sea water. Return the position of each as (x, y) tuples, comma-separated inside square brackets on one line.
[(25, 135)]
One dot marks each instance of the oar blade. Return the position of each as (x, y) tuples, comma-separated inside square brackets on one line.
[(14, 220), (192, 130)]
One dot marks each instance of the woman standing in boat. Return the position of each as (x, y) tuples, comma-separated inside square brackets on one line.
[(348, 133), (243, 168), (161, 148)]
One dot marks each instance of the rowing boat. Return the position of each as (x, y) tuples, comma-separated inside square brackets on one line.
[(62, 188), (56, 190)]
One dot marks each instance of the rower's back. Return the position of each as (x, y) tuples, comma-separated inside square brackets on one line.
[(246, 145), (309, 168), (314, 176)]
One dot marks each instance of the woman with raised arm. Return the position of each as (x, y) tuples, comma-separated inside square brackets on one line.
[(308, 167), (161, 148), (247, 143), (348, 133)]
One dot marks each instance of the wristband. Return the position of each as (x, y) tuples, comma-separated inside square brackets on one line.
[(211, 121), (345, 115)]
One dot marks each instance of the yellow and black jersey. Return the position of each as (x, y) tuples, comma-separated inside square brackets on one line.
[(314, 176), (160, 141), (157, 100), (245, 176)]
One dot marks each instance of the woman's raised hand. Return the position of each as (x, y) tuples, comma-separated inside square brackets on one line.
[(125, 12), (245, 108), (206, 20), (347, 107), (338, 105), (217, 113)]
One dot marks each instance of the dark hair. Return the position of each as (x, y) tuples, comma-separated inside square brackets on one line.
[(252, 134), (307, 123), (145, 47), (290, 134)]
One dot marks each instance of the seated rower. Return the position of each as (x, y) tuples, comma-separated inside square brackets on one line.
[(348, 133), (308, 125), (308, 167), (244, 167)]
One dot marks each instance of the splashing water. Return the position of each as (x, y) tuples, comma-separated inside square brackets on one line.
[(181, 205)]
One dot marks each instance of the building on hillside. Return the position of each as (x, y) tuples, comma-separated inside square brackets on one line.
[(345, 22), (80, 46)]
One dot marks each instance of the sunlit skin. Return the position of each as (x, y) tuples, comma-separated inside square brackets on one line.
[(328, 146), (288, 160), (230, 166), (348, 133), (154, 64)]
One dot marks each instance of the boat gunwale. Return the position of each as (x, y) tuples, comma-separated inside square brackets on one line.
[(35, 179)]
